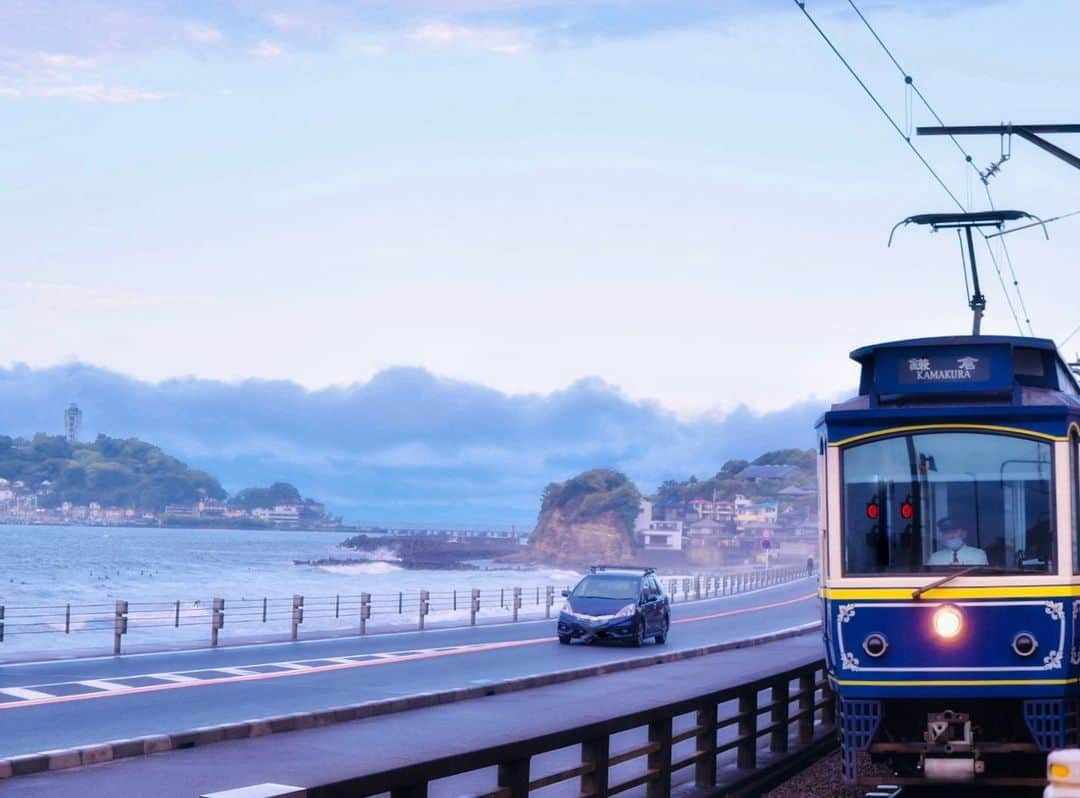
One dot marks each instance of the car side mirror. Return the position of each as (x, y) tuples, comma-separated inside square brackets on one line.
[(566, 594)]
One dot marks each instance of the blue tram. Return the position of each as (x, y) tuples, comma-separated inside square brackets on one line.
[(950, 567)]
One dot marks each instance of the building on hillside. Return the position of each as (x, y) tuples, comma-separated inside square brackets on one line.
[(758, 473), (706, 530), (662, 536), (211, 508), (723, 510), (795, 492), (178, 510)]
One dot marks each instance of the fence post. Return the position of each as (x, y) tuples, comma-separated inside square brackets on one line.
[(365, 611), (671, 589), (806, 708), (474, 606), (120, 625), (514, 776), (660, 760), (781, 695), (217, 619), (517, 602), (595, 753), (176, 618), (705, 767), (67, 619), (1, 623), (697, 586), (549, 599), (455, 600), (337, 606), (297, 615), (423, 607), (264, 609), (400, 602), (747, 748)]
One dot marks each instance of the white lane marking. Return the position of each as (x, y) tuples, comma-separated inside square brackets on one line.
[(172, 677), (234, 671), (24, 692), (291, 666), (102, 684), (339, 660)]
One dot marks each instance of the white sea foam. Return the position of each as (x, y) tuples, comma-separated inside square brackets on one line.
[(368, 568)]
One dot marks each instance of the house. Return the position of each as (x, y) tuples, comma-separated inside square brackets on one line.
[(757, 473), (662, 536)]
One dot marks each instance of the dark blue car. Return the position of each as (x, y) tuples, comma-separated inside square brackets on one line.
[(614, 603)]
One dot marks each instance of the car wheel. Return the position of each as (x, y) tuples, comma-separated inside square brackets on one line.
[(639, 636), (662, 637), (564, 639)]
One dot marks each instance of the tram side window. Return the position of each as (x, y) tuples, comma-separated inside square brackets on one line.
[(924, 503)]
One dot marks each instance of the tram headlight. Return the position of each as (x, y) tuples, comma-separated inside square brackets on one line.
[(947, 622)]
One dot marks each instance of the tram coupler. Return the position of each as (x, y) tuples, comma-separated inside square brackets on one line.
[(951, 754)]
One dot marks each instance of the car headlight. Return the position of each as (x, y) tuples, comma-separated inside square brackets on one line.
[(567, 608), (626, 611)]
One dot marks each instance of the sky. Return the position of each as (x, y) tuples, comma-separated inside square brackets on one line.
[(686, 202)]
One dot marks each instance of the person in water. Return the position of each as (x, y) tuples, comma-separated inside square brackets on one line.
[(955, 550)]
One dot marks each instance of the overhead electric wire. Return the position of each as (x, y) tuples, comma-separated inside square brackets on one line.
[(909, 81), (1012, 271), (1042, 223), (1069, 337), (802, 6)]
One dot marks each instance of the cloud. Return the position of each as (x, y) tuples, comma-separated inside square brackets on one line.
[(97, 93), (404, 446), (115, 28), (204, 34), (265, 49), (497, 40)]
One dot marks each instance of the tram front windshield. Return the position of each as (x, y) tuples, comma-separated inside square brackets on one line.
[(931, 503)]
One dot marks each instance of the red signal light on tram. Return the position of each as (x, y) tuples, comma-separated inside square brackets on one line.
[(907, 510), (873, 510)]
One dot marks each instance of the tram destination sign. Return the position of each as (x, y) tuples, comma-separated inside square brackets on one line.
[(943, 369), (949, 369)]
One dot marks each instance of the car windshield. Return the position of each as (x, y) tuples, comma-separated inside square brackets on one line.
[(608, 586), (931, 503)]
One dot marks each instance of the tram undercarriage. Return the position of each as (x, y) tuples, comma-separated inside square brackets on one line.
[(1000, 742)]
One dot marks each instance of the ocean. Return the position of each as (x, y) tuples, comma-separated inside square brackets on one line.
[(170, 574)]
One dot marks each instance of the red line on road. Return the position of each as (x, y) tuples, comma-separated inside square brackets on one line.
[(255, 677)]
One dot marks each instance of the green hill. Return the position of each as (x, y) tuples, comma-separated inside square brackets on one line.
[(727, 482), (115, 472)]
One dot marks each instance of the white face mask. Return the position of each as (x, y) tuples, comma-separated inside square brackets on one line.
[(954, 543)]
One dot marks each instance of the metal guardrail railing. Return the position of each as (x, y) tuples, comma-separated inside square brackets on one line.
[(449, 607), (736, 737)]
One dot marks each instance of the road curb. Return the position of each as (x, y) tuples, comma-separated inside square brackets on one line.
[(63, 759)]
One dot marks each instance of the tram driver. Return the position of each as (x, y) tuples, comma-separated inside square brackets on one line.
[(956, 551)]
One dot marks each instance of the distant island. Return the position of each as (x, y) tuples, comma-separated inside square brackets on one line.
[(50, 479)]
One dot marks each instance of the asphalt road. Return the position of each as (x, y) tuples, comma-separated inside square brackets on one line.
[(373, 745), (51, 705)]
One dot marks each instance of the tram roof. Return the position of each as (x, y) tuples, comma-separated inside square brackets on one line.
[(961, 366)]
